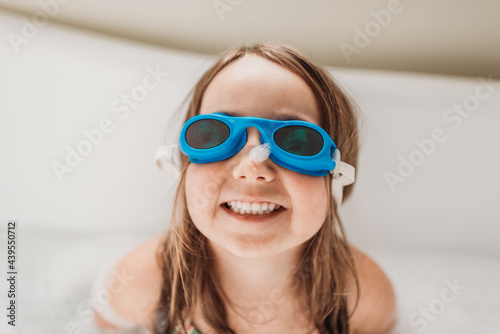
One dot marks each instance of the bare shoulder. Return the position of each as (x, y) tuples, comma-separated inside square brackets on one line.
[(376, 310), (136, 284)]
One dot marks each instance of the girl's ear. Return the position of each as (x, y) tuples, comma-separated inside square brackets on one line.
[(167, 158)]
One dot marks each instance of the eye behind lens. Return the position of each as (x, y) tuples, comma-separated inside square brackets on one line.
[(299, 140), (207, 133)]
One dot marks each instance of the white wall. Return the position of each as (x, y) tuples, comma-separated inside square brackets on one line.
[(457, 37)]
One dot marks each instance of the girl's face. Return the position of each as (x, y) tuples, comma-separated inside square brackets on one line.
[(253, 86)]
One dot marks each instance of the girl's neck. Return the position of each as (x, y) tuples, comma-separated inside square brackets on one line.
[(260, 290)]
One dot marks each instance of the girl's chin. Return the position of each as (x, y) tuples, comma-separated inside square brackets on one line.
[(248, 249), (259, 244)]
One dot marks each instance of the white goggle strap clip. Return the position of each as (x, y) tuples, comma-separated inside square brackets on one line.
[(342, 175), (167, 158)]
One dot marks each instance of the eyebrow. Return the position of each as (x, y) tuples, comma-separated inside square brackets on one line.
[(283, 117), (288, 117)]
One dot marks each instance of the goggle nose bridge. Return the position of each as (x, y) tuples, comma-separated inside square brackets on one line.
[(265, 132)]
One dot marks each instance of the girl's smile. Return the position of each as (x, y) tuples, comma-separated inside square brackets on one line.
[(254, 208)]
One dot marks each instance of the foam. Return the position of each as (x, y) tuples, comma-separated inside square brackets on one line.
[(260, 153)]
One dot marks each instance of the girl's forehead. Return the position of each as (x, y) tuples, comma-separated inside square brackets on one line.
[(254, 86)]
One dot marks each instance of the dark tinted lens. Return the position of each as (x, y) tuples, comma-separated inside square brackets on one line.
[(206, 133), (299, 140)]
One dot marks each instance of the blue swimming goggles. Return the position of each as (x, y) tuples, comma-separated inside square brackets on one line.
[(300, 146)]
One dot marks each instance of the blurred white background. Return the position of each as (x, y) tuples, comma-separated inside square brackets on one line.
[(457, 37)]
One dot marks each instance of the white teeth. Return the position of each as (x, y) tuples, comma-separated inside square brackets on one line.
[(252, 208), (255, 208)]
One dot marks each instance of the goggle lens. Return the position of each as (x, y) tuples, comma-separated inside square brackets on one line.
[(207, 133), (299, 140)]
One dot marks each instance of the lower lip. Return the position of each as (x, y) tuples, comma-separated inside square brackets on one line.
[(252, 218)]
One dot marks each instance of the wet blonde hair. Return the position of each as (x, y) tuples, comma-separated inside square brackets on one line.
[(327, 272)]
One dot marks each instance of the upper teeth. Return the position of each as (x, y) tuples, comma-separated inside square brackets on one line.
[(252, 208)]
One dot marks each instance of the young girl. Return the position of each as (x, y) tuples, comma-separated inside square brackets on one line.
[(255, 243)]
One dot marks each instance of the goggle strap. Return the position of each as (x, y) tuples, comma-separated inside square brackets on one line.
[(343, 175), (167, 158)]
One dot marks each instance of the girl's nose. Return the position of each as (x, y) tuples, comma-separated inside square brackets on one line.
[(250, 167)]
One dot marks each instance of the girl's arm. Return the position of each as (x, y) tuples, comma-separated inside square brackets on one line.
[(135, 287), (376, 311)]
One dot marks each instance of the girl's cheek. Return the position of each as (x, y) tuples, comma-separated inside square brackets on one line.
[(195, 199), (313, 199), (202, 189)]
